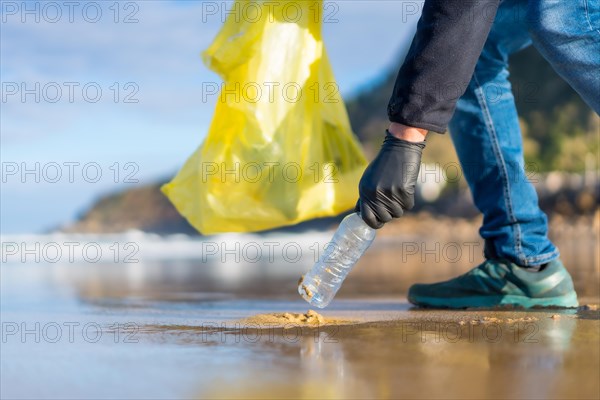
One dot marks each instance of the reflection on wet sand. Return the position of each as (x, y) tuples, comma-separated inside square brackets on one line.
[(188, 317), (416, 354)]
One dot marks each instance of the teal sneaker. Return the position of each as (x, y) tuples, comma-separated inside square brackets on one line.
[(500, 283)]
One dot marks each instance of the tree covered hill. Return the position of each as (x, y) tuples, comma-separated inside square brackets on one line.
[(559, 129)]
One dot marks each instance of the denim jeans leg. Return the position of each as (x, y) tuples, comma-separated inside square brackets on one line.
[(487, 137), (567, 34)]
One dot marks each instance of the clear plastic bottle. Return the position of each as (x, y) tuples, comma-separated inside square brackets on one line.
[(349, 243)]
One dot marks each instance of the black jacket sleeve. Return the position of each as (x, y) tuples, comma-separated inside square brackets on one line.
[(440, 62)]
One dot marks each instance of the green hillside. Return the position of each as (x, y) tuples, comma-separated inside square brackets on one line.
[(559, 128)]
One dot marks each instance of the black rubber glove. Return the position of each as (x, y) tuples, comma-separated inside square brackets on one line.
[(387, 187)]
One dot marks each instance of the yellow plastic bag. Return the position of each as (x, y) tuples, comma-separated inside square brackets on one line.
[(280, 149)]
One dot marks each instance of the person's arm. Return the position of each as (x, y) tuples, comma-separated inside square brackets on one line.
[(440, 63)]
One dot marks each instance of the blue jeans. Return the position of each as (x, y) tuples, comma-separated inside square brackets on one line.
[(485, 127)]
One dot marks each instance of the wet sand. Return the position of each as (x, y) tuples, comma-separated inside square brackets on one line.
[(388, 349), (309, 318), (156, 349), (184, 328)]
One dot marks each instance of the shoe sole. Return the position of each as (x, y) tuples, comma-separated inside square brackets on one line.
[(566, 301)]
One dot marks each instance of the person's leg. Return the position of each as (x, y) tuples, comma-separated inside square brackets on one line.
[(567, 34), (487, 137), (486, 134)]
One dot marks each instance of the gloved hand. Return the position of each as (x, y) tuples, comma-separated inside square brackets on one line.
[(387, 187)]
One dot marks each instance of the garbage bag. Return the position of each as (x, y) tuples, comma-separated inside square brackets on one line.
[(280, 149)]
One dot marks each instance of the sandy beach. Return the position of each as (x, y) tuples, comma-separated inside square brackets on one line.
[(176, 325), (382, 348)]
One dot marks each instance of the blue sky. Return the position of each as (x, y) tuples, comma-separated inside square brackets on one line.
[(88, 54)]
